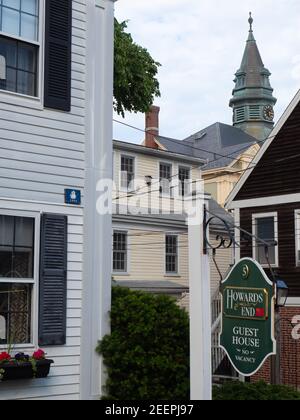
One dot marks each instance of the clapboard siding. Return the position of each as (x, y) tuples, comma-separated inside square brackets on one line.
[(42, 153), (287, 269), (278, 171)]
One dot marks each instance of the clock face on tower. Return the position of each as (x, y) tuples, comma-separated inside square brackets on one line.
[(269, 113)]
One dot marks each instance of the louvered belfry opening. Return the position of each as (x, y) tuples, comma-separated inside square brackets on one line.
[(58, 41)]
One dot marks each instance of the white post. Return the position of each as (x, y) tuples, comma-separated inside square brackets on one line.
[(200, 313), (98, 166)]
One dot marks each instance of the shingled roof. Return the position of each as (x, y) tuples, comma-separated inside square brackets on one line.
[(220, 144)]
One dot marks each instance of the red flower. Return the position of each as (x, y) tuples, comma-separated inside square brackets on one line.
[(5, 357), (39, 355)]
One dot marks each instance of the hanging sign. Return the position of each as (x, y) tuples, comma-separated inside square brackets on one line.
[(248, 314)]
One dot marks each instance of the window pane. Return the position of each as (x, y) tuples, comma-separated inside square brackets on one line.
[(15, 313), (6, 254), (16, 247), (127, 172), (265, 230), (22, 263), (28, 27), (171, 254), (20, 57), (11, 80), (29, 6), (184, 184), (6, 231), (15, 4), (24, 232), (10, 21), (120, 252), (165, 175), (8, 49), (26, 58), (26, 83)]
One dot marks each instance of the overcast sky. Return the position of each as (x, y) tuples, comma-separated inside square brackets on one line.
[(200, 44)]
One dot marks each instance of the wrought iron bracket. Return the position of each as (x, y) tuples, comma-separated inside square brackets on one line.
[(224, 241)]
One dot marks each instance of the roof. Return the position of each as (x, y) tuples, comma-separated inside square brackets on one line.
[(181, 156), (217, 210), (252, 65), (173, 220), (213, 143), (278, 127), (158, 286)]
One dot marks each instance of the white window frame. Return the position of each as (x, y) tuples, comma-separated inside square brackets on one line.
[(126, 272), (34, 281), (16, 98), (189, 168), (172, 274), (255, 217), (162, 193), (297, 237), (133, 187)]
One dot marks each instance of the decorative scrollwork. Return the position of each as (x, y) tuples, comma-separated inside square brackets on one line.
[(224, 241)]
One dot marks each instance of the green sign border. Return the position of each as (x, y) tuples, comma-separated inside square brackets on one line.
[(272, 316)]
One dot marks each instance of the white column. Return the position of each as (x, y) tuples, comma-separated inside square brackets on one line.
[(97, 228), (200, 314)]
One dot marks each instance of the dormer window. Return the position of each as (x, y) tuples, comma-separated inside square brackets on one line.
[(19, 46)]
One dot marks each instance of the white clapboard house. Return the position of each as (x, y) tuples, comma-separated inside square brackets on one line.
[(56, 73)]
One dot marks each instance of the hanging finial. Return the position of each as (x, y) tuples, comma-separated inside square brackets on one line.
[(250, 21)]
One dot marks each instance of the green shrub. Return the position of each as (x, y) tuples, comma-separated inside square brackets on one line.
[(147, 353), (260, 391)]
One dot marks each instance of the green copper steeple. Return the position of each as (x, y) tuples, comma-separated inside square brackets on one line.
[(253, 99)]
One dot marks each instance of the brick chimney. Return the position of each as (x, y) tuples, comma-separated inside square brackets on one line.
[(152, 127)]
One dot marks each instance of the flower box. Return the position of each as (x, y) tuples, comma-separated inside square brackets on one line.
[(24, 366), (24, 370)]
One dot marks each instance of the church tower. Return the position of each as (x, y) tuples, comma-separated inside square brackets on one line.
[(253, 99)]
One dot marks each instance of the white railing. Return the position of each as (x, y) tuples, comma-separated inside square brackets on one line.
[(219, 357)]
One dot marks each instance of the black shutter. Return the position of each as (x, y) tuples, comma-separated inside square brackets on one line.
[(53, 280), (58, 40)]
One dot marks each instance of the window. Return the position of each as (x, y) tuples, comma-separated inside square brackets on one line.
[(19, 47), (16, 278), (184, 181), (265, 228), (171, 254), (165, 178), (297, 236), (127, 172), (120, 252)]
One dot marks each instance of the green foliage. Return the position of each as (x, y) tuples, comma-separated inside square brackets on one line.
[(135, 82), (260, 391), (147, 353)]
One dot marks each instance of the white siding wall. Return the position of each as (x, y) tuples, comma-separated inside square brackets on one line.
[(146, 165), (146, 257), (41, 154), (147, 262)]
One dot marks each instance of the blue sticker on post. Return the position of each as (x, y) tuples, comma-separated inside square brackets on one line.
[(73, 197)]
